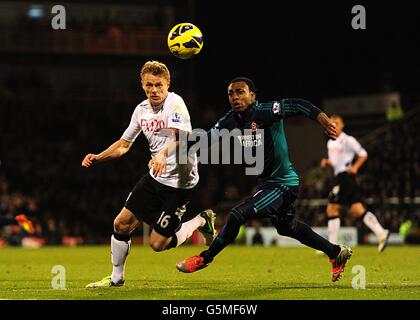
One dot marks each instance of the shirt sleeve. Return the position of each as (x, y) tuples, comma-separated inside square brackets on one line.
[(287, 108), (179, 117), (357, 148), (133, 129)]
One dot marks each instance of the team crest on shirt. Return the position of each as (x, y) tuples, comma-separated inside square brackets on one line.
[(251, 139)]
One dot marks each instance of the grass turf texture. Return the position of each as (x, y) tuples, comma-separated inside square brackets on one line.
[(239, 273)]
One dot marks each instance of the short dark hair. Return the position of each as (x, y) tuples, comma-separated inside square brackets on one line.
[(248, 81)]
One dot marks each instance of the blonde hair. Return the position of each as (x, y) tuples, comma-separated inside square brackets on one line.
[(156, 68)]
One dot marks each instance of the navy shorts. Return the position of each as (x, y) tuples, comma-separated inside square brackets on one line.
[(163, 207), (274, 201)]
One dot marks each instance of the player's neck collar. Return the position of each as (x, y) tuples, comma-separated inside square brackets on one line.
[(158, 107)]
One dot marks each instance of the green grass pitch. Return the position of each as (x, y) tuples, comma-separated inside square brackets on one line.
[(238, 273)]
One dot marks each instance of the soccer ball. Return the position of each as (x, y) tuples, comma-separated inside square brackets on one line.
[(185, 40)]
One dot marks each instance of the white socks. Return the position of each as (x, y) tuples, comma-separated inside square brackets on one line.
[(370, 220), (187, 229), (333, 229), (119, 252), (121, 249)]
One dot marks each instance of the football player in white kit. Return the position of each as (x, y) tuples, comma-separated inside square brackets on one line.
[(160, 197), (345, 191)]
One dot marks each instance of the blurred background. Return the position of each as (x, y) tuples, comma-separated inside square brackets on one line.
[(66, 93)]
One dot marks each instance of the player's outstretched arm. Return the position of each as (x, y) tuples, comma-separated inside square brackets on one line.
[(292, 107), (357, 164), (115, 150), (361, 154), (328, 125)]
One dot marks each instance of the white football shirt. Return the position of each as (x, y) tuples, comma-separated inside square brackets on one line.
[(172, 114), (342, 151)]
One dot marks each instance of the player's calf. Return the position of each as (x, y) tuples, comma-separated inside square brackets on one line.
[(208, 230)]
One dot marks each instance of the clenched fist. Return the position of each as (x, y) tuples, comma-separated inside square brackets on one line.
[(89, 160)]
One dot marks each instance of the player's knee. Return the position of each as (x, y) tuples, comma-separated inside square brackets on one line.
[(121, 226), (157, 246), (358, 210), (333, 213), (286, 226)]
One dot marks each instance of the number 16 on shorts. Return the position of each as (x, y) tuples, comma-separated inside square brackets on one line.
[(163, 220)]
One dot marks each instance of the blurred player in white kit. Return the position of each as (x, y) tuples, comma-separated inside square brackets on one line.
[(345, 191)]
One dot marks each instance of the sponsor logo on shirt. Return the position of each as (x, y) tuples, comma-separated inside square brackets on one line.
[(250, 140), (176, 117), (151, 125)]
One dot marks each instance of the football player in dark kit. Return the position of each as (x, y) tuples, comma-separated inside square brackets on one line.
[(277, 185)]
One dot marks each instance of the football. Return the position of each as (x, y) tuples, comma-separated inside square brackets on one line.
[(185, 40)]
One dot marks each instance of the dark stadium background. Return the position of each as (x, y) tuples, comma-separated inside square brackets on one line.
[(66, 93)]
